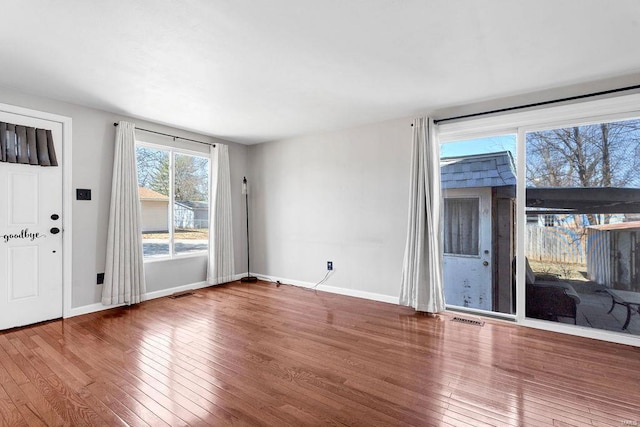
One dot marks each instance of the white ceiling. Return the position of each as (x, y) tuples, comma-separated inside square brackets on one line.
[(257, 70)]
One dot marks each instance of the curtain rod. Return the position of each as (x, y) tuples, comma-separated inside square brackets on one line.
[(172, 136), (538, 104)]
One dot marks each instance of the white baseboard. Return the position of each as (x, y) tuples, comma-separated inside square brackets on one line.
[(167, 292), (333, 289), (92, 308)]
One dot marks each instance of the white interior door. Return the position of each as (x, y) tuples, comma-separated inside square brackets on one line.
[(467, 248), (30, 246)]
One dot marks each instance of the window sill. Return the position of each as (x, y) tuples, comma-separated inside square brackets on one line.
[(151, 260)]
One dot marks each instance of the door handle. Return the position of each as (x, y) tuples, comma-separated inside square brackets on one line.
[(55, 230), (485, 263)]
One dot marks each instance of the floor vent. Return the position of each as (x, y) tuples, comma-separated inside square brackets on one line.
[(467, 321), (181, 294)]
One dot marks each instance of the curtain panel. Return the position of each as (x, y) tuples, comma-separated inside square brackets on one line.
[(26, 145), (421, 286), (221, 266), (124, 281)]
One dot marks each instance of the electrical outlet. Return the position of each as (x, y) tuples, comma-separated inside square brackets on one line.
[(100, 279), (329, 265)]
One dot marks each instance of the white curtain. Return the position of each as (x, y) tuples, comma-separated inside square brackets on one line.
[(221, 267), (422, 286), (461, 226), (124, 271)]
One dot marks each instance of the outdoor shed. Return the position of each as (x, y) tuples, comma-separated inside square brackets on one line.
[(478, 222), (613, 255)]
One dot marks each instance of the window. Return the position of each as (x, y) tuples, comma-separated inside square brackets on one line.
[(549, 220), (461, 219), (174, 198), (589, 261)]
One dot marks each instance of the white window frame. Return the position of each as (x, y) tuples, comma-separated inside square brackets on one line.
[(617, 108), (172, 151)]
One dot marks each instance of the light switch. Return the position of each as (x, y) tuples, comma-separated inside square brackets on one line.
[(83, 194)]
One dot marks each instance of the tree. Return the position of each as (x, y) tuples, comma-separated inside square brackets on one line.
[(190, 174), (599, 155), (149, 163), (191, 178), (160, 177)]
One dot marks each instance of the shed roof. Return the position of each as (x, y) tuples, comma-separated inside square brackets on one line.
[(618, 226), (480, 170)]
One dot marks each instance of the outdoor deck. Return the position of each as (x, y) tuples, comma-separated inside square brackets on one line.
[(594, 306), (593, 310)]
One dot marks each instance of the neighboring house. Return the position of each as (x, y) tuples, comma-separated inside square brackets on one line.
[(155, 210), (478, 222), (188, 214), (571, 220)]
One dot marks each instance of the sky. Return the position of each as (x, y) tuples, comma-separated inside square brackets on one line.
[(479, 146)]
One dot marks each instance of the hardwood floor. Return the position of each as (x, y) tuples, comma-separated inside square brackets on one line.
[(257, 354)]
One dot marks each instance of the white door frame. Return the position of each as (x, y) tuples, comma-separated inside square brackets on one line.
[(67, 194)]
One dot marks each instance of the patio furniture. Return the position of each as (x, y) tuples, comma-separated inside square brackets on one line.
[(628, 299), (549, 299)]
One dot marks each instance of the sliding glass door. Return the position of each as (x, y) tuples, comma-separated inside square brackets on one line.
[(583, 225), (541, 216)]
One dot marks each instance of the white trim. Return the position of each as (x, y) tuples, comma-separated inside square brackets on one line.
[(67, 218), (521, 225), (583, 331), (162, 258), (92, 308), (628, 105), (169, 147), (333, 289), (478, 312), (166, 292), (67, 195), (360, 294)]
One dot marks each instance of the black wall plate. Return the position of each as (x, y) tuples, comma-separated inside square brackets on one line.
[(83, 194)]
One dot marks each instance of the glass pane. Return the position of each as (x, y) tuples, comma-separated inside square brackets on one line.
[(153, 188), (583, 225), (461, 232), (191, 207), (479, 189)]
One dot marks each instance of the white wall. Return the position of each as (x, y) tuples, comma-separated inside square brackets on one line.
[(338, 196), (93, 138)]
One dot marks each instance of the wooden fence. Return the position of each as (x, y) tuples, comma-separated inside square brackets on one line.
[(556, 244)]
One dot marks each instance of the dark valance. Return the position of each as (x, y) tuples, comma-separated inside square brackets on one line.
[(27, 145)]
